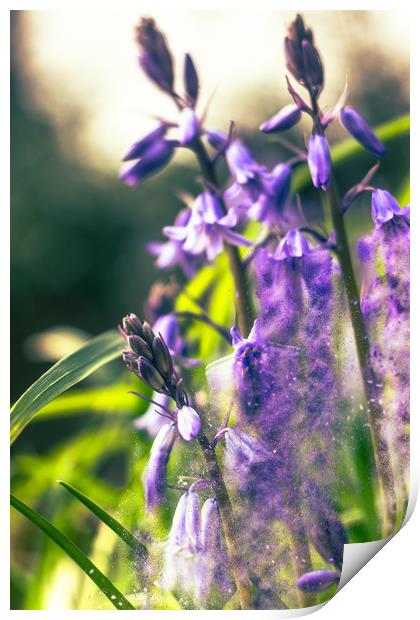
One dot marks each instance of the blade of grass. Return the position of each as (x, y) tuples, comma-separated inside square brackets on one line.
[(106, 518), (104, 584), (63, 375)]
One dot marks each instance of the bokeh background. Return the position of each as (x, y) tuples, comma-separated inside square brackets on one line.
[(79, 260)]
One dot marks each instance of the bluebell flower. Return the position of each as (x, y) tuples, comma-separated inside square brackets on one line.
[(154, 477), (188, 422), (189, 126), (270, 204), (286, 118), (357, 126), (319, 161), (244, 169), (385, 208), (318, 580), (153, 158), (139, 148), (293, 245), (217, 139), (171, 254), (207, 228)]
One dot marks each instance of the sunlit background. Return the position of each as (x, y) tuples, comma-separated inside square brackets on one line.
[(79, 259)]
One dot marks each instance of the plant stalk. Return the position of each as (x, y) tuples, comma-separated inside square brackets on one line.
[(246, 589), (373, 408), (243, 299)]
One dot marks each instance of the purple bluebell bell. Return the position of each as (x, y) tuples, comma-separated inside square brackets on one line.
[(357, 126), (207, 228), (189, 126), (244, 169), (171, 254), (214, 582), (154, 157), (188, 422), (217, 139), (139, 148), (155, 57), (328, 534), (385, 208), (154, 477), (318, 580), (319, 161), (293, 245), (269, 207), (191, 82), (286, 118)]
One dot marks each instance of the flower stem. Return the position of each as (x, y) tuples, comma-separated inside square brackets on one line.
[(243, 298), (246, 589), (301, 560), (374, 408)]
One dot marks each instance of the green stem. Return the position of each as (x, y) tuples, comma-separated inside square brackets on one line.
[(374, 408), (245, 588), (243, 298), (301, 558)]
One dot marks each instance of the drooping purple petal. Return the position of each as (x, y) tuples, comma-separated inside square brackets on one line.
[(156, 156), (189, 126), (154, 478), (319, 161), (286, 118), (188, 422), (357, 126), (316, 581)]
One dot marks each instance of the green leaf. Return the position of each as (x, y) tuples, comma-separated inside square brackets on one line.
[(346, 149), (103, 583), (63, 375), (116, 527)]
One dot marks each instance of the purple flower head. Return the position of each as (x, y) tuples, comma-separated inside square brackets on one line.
[(385, 208), (207, 228), (293, 245), (154, 477), (270, 205), (139, 148), (318, 580), (188, 422), (244, 169), (217, 139), (329, 536), (171, 254), (154, 157), (189, 126), (213, 562), (319, 161), (360, 130), (286, 118), (192, 522), (302, 57), (155, 57), (191, 82)]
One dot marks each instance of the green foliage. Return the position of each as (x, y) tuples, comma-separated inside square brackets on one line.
[(125, 535), (103, 583), (63, 375)]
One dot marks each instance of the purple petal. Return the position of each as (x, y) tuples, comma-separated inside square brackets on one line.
[(189, 423), (189, 126), (293, 245), (317, 580), (284, 119), (319, 161), (357, 126), (139, 148)]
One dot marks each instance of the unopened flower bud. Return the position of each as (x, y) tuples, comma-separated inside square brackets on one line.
[(319, 161), (357, 126), (130, 360), (132, 325), (314, 73), (217, 139), (155, 58), (148, 333), (189, 423), (140, 346), (162, 357), (284, 119), (191, 82), (150, 374), (318, 580)]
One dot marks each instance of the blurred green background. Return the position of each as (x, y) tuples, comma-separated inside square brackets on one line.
[(79, 258)]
